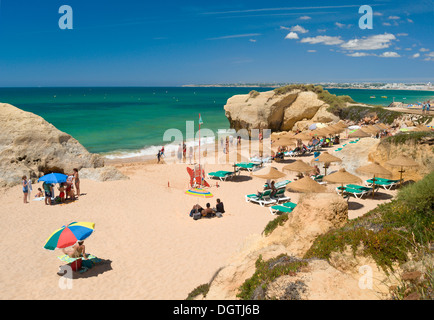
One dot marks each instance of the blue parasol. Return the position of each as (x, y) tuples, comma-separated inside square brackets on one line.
[(54, 178)]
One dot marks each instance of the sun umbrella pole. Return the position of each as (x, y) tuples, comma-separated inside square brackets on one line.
[(400, 180), (373, 187)]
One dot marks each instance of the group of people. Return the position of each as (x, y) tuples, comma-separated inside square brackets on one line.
[(198, 212), (426, 107), (66, 189)]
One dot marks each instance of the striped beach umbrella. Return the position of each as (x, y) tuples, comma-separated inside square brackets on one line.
[(199, 193), (69, 235)]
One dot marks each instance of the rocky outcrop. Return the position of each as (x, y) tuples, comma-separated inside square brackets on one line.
[(31, 146), (278, 112), (315, 214)]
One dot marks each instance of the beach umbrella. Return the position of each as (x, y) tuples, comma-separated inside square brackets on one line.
[(312, 126), (376, 170), (303, 136), (355, 127), (269, 173), (359, 133), (298, 166), (402, 162), (326, 158), (201, 193), (69, 235), (54, 178), (342, 177), (421, 127), (285, 141), (306, 184), (342, 124)]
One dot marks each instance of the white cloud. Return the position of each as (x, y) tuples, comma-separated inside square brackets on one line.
[(389, 54), (252, 40), (408, 49), (300, 29), (394, 18), (284, 28), (387, 24), (359, 54), (423, 50), (305, 18), (416, 55), (376, 42), (409, 20), (323, 39), (402, 34), (378, 14), (342, 26), (429, 56), (291, 35), (322, 30), (311, 50), (236, 36)]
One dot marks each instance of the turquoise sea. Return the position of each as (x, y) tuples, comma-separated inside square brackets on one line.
[(132, 121)]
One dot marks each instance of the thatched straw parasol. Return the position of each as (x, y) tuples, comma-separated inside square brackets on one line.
[(342, 177), (298, 166), (303, 136), (327, 158), (421, 127), (402, 162), (334, 129), (269, 173), (359, 133), (376, 170), (306, 184), (285, 141)]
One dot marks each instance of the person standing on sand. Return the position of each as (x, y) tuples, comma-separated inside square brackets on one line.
[(76, 181), (30, 188), (158, 156), (179, 153), (190, 155), (48, 194), (25, 189)]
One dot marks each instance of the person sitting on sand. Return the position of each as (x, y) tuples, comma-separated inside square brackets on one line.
[(76, 251), (39, 194), (208, 212), (316, 171), (219, 206), (196, 208), (273, 189)]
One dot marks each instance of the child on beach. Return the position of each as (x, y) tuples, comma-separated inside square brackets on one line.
[(76, 181), (25, 189), (62, 192), (40, 194)]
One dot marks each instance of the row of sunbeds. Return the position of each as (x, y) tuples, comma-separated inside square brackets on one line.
[(360, 191)]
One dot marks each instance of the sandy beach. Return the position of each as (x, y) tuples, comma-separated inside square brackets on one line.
[(150, 246)]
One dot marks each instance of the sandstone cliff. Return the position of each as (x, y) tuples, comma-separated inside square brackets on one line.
[(315, 214), (31, 146), (295, 109)]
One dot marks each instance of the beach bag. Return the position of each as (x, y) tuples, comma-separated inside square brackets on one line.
[(219, 214), (197, 216)]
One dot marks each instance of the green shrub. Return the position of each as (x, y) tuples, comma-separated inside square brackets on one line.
[(389, 232), (408, 137), (202, 289), (273, 224), (357, 113), (267, 271)]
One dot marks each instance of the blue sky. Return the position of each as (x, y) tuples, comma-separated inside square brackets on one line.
[(171, 43)]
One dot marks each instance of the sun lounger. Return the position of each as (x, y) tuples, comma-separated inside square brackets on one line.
[(262, 200), (357, 193), (261, 160), (281, 184), (380, 182), (249, 166), (280, 196), (287, 207), (222, 175)]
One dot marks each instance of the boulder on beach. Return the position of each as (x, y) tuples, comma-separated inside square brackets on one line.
[(277, 111), (108, 173), (31, 146)]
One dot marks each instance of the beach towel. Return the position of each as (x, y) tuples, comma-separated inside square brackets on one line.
[(88, 264), (39, 199)]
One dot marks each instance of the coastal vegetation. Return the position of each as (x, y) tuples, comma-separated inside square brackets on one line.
[(266, 272), (409, 137), (358, 112), (273, 224), (390, 233)]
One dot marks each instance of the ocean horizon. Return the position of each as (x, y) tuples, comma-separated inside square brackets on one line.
[(123, 122)]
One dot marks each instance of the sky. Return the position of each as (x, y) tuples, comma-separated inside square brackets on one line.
[(173, 43)]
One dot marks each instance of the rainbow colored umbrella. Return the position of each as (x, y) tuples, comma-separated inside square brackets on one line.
[(199, 193), (69, 235)]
